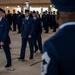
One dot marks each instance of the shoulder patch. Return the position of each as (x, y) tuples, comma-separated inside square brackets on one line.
[(45, 62)]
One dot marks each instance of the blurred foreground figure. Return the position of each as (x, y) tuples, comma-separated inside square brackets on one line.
[(4, 37), (59, 51)]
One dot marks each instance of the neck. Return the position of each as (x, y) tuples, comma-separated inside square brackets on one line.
[(66, 17)]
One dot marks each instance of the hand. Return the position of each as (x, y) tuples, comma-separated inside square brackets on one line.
[(1, 43), (29, 36)]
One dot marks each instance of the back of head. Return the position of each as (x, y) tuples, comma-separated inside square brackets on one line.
[(66, 10)]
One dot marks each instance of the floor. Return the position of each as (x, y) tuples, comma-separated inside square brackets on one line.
[(29, 67)]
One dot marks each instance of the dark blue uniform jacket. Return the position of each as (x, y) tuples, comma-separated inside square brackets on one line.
[(4, 31), (59, 53)]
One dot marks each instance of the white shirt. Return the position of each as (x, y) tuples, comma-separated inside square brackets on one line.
[(26, 18), (0, 18), (34, 18), (67, 24)]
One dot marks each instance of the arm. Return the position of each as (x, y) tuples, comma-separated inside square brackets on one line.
[(32, 27), (50, 64), (6, 31)]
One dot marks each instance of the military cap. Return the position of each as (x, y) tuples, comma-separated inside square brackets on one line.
[(1, 9), (64, 5), (34, 12), (26, 10)]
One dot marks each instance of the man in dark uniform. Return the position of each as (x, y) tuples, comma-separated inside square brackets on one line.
[(27, 35), (9, 17), (54, 21), (19, 22), (45, 22), (59, 51), (37, 32), (14, 20), (4, 38)]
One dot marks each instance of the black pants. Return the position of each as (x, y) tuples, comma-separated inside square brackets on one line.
[(23, 48), (7, 53), (19, 28), (14, 26), (38, 42)]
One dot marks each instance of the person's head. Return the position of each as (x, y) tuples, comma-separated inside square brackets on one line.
[(53, 12), (18, 12), (13, 11), (34, 14), (1, 12), (66, 10), (46, 12), (27, 13), (8, 11)]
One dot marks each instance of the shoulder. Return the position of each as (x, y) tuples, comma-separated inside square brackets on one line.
[(52, 43), (5, 19), (31, 19)]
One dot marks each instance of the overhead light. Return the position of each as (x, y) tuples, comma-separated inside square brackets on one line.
[(7, 7), (18, 6), (50, 5)]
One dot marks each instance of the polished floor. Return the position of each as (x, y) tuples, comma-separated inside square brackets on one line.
[(29, 67)]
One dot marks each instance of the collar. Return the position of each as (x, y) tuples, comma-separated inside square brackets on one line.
[(27, 18), (35, 18), (67, 24), (0, 18)]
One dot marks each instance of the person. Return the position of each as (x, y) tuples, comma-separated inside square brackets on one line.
[(9, 17), (59, 51), (37, 32), (54, 21), (45, 22), (14, 20), (4, 38), (19, 22), (27, 35)]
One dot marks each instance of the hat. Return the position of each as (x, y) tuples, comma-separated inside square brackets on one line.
[(1, 9), (26, 10), (34, 12), (64, 5)]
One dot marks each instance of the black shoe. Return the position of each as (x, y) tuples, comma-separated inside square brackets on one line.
[(31, 58), (0, 47), (41, 52), (46, 32), (8, 65), (54, 31), (10, 47), (14, 30), (18, 32), (20, 59), (35, 51)]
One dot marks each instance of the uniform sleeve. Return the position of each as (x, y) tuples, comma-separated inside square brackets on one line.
[(32, 27), (50, 64), (6, 31), (22, 26)]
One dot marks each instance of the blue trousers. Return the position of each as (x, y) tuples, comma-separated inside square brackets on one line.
[(38, 42), (7, 53), (23, 48)]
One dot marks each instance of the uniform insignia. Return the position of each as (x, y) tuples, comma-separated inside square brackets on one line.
[(23, 22), (46, 60), (1, 25), (28, 22)]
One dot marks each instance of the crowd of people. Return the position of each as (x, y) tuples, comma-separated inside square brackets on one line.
[(30, 25), (58, 53)]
